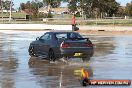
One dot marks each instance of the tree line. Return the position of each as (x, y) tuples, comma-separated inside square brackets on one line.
[(5, 4), (87, 8), (100, 8)]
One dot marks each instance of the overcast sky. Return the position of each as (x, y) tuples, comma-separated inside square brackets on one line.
[(17, 2)]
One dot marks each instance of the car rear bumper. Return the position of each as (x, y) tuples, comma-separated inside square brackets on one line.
[(77, 52)]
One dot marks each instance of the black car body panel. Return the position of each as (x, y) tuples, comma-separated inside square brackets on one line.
[(52, 41)]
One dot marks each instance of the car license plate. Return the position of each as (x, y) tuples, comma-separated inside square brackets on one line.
[(77, 54)]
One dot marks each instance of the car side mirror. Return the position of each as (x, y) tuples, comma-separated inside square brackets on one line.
[(37, 38), (40, 39)]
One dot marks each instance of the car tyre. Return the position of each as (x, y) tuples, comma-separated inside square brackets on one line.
[(84, 82), (51, 55), (31, 51)]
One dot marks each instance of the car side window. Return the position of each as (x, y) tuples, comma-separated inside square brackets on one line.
[(46, 37)]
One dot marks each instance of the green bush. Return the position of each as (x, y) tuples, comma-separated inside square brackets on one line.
[(77, 14), (45, 15), (42, 15), (49, 15)]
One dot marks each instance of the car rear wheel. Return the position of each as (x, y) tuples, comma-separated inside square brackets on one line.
[(51, 55)]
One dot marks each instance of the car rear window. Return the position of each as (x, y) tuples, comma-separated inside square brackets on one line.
[(61, 36), (67, 35)]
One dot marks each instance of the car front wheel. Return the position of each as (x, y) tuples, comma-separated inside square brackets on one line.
[(31, 51)]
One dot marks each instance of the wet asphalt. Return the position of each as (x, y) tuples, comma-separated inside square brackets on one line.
[(112, 60)]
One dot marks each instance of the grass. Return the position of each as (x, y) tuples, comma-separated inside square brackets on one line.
[(66, 19), (68, 22), (15, 15), (19, 15), (118, 22)]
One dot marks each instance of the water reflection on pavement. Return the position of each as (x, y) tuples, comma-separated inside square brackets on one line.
[(112, 60)]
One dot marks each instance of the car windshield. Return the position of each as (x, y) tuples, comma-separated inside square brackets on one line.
[(67, 35)]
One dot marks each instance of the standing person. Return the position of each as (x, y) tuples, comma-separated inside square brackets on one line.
[(73, 23)]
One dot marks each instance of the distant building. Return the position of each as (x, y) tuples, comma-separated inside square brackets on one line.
[(54, 10)]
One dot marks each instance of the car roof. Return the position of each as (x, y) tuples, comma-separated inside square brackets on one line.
[(60, 32)]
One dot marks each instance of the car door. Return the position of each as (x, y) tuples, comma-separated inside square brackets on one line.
[(44, 45)]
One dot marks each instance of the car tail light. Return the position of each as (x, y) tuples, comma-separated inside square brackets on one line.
[(64, 45), (89, 45)]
